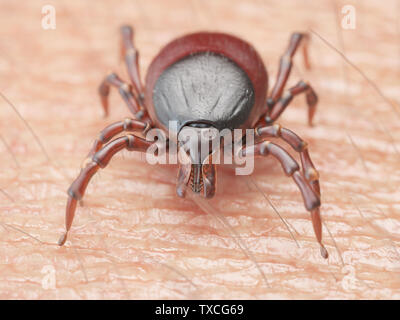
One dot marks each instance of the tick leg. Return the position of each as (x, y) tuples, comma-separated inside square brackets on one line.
[(125, 91), (100, 160), (299, 145), (286, 63), (290, 166), (183, 173), (284, 101), (131, 55), (209, 179), (209, 172), (183, 178), (108, 133)]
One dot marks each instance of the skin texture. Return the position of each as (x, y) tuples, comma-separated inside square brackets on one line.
[(134, 238)]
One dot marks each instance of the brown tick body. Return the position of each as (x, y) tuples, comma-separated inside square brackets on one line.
[(201, 81)]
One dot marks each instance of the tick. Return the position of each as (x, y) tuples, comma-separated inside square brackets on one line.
[(205, 81)]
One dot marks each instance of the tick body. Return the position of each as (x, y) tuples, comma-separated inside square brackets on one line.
[(213, 77), (205, 81)]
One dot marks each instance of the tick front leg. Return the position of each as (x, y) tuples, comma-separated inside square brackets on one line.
[(183, 178), (125, 91), (286, 64), (290, 166), (209, 172), (131, 55), (299, 145), (108, 133), (100, 160)]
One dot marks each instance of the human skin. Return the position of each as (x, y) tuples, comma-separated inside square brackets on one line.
[(133, 237)]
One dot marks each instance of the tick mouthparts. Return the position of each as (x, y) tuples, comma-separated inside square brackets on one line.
[(196, 178)]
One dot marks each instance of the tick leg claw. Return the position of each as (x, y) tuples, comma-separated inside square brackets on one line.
[(324, 252), (62, 239)]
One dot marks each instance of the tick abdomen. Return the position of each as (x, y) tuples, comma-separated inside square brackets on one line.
[(204, 86)]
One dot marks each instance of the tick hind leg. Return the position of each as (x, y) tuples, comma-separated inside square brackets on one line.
[(131, 56), (99, 160), (276, 104), (286, 63), (290, 166), (133, 97), (125, 90)]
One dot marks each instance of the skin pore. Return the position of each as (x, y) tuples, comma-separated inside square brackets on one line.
[(133, 237)]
